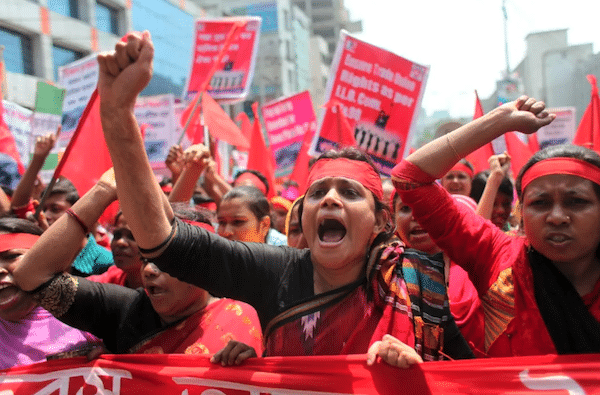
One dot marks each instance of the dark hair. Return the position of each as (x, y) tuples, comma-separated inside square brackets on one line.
[(191, 214), (254, 198), (66, 187), (19, 225), (558, 151), (258, 174), (480, 180), (358, 155)]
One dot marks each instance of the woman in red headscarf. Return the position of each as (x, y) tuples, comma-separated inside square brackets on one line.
[(540, 292), (349, 288)]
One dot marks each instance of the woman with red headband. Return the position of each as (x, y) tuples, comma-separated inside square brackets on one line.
[(354, 279), (458, 179), (541, 292)]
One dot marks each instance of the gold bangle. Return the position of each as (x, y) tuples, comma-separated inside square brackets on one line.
[(456, 155)]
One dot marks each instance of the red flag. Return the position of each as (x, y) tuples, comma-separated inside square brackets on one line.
[(533, 143), (301, 170), (588, 131), (479, 158), (86, 157), (193, 131), (519, 152), (260, 157), (345, 136), (246, 125), (220, 125), (7, 142)]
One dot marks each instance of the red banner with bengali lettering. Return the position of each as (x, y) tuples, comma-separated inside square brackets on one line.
[(188, 374), (287, 120), (379, 93), (232, 78)]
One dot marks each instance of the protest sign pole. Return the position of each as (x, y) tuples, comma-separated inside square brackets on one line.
[(206, 84)]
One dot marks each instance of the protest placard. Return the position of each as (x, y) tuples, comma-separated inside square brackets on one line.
[(561, 130), (380, 94), (157, 113), (233, 77), (287, 120), (79, 80)]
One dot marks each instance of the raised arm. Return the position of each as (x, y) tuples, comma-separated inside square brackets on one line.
[(59, 245), (499, 166), (123, 74), (195, 160), (24, 190), (524, 115)]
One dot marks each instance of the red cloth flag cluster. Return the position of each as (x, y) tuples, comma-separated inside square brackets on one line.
[(260, 157), (519, 152), (86, 157), (220, 125), (344, 129), (588, 131), (479, 158)]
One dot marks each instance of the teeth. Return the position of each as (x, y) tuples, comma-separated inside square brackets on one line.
[(558, 238), (2, 286)]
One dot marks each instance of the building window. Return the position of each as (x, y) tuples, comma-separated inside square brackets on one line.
[(322, 18), (64, 7), (63, 56), (325, 33), (18, 53), (322, 4), (107, 18)]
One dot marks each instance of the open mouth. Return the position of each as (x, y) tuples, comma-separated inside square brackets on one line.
[(331, 231), (418, 232), (154, 290), (8, 295)]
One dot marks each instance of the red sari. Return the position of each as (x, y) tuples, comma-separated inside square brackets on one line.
[(207, 331)]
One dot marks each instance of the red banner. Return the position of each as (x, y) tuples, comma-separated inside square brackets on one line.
[(232, 79), (287, 121), (188, 374), (379, 93)]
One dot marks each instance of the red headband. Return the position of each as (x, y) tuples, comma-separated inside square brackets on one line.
[(569, 166), (462, 167), (17, 240), (200, 225), (254, 180), (353, 169)]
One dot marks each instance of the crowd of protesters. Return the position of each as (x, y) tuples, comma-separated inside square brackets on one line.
[(432, 263)]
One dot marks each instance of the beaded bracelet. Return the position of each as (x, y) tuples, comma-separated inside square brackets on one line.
[(72, 214), (161, 245)]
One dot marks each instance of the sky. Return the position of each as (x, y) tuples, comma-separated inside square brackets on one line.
[(462, 41)]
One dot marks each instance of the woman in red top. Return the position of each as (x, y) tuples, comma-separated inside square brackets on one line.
[(541, 292)]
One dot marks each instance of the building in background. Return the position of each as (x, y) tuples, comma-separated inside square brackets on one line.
[(40, 36), (327, 18), (319, 70), (283, 60), (552, 71)]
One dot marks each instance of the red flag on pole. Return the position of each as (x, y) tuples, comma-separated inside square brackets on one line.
[(533, 143), (301, 169), (588, 131), (7, 142), (86, 157), (345, 132), (220, 125), (479, 158), (260, 157), (246, 125), (519, 152), (190, 116)]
